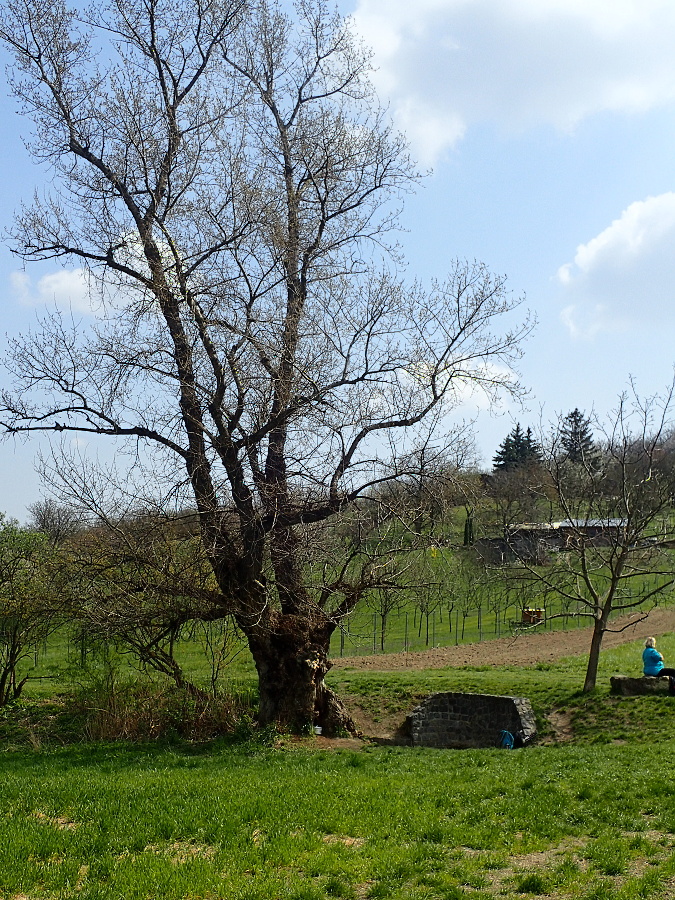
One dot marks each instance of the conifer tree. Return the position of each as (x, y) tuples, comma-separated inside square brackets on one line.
[(517, 449), (576, 437)]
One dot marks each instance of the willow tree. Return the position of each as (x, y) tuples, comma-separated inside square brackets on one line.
[(224, 174)]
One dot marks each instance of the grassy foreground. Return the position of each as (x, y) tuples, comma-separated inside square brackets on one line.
[(113, 822), (592, 818)]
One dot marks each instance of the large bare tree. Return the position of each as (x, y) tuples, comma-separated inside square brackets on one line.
[(225, 174)]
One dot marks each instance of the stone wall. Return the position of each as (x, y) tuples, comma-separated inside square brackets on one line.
[(469, 720), (645, 684)]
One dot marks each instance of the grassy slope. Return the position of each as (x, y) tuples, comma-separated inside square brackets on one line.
[(595, 718)]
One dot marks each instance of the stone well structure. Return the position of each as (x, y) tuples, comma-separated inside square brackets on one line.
[(469, 720)]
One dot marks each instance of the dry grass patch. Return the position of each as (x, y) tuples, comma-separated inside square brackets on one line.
[(179, 852), (572, 865), (343, 839), (60, 822)]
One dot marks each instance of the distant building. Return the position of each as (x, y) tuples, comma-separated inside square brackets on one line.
[(534, 542)]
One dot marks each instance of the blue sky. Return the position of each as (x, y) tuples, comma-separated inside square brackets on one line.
[(550, 129)]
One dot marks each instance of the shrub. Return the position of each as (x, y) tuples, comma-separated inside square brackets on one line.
[(142, 710)]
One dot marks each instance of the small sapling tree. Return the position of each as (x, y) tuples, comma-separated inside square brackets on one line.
[(615, 530)]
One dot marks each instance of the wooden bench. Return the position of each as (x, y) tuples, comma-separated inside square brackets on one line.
[(628, 686)]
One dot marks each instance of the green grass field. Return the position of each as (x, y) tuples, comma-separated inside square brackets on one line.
[(258, 823), (263, 819)]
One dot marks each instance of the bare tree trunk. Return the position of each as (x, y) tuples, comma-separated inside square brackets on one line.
[(292, 661), (599, 627)]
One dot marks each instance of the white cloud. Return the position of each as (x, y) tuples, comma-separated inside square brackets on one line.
[(449, 64), (625, 276), (641, 227), (426, 131), (471, 397), (588, 322), (66, 288)]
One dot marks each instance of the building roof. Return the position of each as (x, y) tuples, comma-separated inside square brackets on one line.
[(577, 524)]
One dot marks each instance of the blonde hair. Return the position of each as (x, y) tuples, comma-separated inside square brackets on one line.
[(650, 642)]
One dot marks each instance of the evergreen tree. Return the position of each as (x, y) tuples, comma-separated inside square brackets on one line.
[(517, 449), (468, 530), (576, 437), (532, 452), (505, 457)]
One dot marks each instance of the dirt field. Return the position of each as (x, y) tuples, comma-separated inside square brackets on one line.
[(520, 650)]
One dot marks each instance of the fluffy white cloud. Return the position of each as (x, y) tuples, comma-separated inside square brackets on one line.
[(640, 230), (448, 64), (66, 288), (625, 276)]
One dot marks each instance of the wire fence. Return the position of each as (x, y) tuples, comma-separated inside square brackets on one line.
[(407, 630)]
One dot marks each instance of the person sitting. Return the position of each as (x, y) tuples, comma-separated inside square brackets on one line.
[(652, 664)]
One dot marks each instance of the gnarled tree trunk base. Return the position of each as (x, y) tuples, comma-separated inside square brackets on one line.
[(292, 692)]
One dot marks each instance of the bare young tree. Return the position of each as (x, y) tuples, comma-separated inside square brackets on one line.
[(520, 494), (225, 174), (384, 602), (613, 543), (58, 521), (139, 584)]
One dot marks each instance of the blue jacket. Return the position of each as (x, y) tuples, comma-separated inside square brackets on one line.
[(652, 661)]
